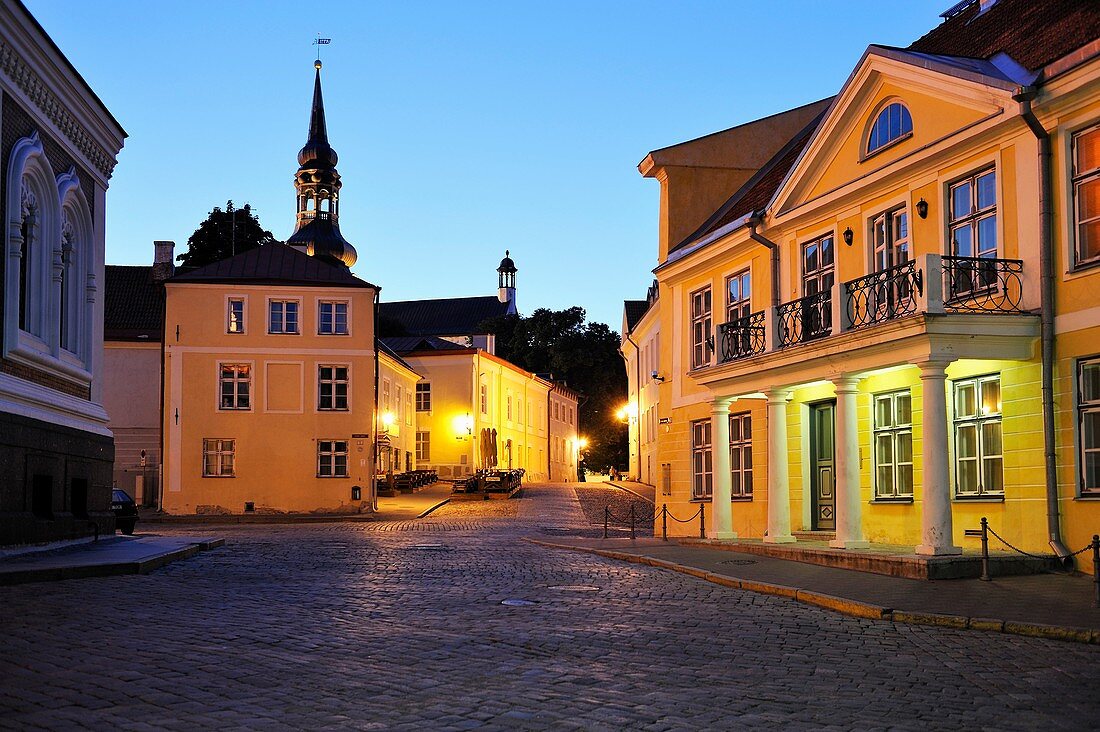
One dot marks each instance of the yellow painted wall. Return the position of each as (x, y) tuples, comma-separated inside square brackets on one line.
[(397, 411)]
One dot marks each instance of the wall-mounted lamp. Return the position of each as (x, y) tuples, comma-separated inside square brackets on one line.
[(657, 377), (922, 208), (848, 236)]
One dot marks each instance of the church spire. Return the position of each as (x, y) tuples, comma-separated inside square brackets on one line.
[(318, 183)]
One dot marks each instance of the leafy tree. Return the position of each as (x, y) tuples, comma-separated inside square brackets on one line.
[(586, 357), (223, 234)]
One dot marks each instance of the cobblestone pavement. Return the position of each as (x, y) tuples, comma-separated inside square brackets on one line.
[(400, 626), (595, 497)]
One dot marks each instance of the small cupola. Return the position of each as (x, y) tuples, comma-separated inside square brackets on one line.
[(506, 282)]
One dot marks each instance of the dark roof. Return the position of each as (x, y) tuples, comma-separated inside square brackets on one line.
[(384, 348), (409, 344), (274, 264), (635, 310), (758, 190), (133, 304), (1033, 32), (447, 316)]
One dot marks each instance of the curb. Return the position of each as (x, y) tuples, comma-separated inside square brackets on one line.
[(442, 503), (845, 606), (140, 566), (634, 493)]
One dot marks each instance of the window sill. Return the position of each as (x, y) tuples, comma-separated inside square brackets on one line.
[(1084, 266), (334, 334), (741, 499), (978, 499), (1088, 497), (889, 501), (882, 148), (701, 500), (219, 476)]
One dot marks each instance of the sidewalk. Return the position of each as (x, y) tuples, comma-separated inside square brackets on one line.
[(108, 557), (414, 505), (1045, 605), (641, 490)]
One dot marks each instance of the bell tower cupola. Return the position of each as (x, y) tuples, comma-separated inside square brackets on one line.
[(317, 232), (506, 282)]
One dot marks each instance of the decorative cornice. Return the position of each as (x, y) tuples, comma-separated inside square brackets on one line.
[(16, 69)]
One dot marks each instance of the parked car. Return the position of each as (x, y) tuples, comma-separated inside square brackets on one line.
[(125, 511)]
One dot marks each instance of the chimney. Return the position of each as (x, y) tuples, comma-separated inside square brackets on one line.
[(164, 265)]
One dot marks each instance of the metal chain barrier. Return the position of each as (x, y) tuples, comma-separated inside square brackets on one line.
[(1094, 545)]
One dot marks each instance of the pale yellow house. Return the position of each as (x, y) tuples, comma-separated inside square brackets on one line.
[(397, 418), (564, 438), (889, 330), (641, 350)]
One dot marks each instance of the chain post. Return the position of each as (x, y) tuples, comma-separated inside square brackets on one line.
[(606, 512), (664, 521), (632, 537), (1096, 565), (702, 521), (985, 551)]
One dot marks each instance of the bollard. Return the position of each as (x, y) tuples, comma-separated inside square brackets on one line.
[(632, 521), (606, 511), (664, 521), (702, 521), (985, 551), (1096, 565)]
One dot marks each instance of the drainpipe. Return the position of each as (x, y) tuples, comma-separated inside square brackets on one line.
[(754, 221), (1024, 95), (637, 399), (374, 432)]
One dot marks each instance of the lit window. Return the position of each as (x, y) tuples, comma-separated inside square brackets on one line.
[(702, 467), (978, 455), (423, 397), (332, 459), (893, 123), (332, 318), (217, 458), (283, 317), (893, 445), (332, 388), (741, 455), (423, 446), (1086, 194), (235, 315), (701, 324), (1088, 423), (235, 382), (484, 399)]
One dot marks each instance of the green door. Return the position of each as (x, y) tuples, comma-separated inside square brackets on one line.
[(822, 461)]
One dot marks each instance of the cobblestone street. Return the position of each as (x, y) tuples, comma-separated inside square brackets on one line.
[(400, 625)]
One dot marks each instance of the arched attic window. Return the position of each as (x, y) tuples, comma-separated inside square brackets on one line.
[(893, 123)]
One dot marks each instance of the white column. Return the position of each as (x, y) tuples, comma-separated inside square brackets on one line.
[(779, 490), (936, 530), (849, 513), (721, 505)]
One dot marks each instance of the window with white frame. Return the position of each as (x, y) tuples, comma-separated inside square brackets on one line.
[(701, 328), (1086, 195), (424, 397), (332, 388), (978, 453), (332, 458), (1088, 423), (399, 402), (738, 292), (408, 409), (235, 386), (218, 457), (332, 318), (893, 445), (508, 406), (386, 403), (484, 399), (234, 315), (423, 446), (741, 455), (972, 230), (892, 124), (283, 317), (702, 465)]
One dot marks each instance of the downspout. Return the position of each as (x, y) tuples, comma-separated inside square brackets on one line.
[(374, 432), (753, 222), (1024, 95), (549, 445), (637, 399)]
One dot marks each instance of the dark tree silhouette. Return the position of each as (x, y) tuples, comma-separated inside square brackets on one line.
[(223, 234)]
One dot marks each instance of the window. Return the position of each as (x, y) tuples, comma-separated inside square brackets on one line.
[(738, 290), (235, 315), (1086, 194), (283, 316), (332, 318), (423, 446), (408, 409), (818, 275), (386, 394), (399, 404), (700, 328), (235, 386), (332, 388), (978, 461), (1088, 421), (741, 455), (508, 403), (332, 459), (702, 469), (893, 445), (423, 397), (892, 124), (973, 231), (484, 399), (218, 458)]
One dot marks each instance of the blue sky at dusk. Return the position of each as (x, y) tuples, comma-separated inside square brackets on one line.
[(463, 129)]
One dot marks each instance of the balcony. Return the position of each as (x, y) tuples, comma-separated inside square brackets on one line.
[(944, 285)]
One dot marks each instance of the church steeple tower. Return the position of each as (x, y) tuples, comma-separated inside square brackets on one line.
[(318, 183)]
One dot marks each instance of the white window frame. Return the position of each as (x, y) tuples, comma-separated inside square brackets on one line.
[(334, 381), (217, 446), (329, 452), (236, 381), (702, 460), (335, 303), (896, 432), (977, 422), (423, 446), (1077, 180), (424, 396), (700, 314), (873, 121), (742, 306), (229, 301), (297, 301), (1084, 407), (740, 473)]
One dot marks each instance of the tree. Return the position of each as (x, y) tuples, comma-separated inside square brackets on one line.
[(583, 355), (223, 234)]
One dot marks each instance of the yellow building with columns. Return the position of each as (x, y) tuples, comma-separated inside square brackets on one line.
[(888, 330)]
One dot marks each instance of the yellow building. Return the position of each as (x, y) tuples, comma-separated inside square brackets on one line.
[(888, 330), (564, 441), (640, 348), (397, 419)]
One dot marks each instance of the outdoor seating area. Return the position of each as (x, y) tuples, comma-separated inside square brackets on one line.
[(408, 482), (490, 481)]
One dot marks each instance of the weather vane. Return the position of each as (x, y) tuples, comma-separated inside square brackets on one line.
[(320, 42)]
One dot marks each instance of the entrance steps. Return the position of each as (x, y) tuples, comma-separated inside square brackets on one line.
[(895, 561)]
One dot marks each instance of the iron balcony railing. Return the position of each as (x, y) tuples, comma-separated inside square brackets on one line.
[(982, 285), (741, 338), (884, 295), (805, 319)]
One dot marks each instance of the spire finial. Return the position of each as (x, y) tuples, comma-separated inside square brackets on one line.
[(320, 42)]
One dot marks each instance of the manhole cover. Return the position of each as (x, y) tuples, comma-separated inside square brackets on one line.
[(517, 603), (575, 588), (738, 562), (428, 548)]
